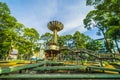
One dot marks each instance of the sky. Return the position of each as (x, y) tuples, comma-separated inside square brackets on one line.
[(38, 13)]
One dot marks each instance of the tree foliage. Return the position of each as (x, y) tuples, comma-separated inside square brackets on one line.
[(114, 34), (106, 14), (94, 45), (61, 41), (47, 37), (13, 33)]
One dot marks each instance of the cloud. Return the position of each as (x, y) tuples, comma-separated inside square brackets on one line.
[(37, 14), (33, 13), (73, 25), (73, 17)]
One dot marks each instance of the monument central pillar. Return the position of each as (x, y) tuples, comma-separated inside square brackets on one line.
[(55, 36), (52, 48)]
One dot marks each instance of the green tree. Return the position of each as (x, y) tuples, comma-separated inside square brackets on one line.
[(68, 40), (105, 15), (61, 41), (96, 19), (114, 33), (47, 37), (80, 40), (94, 45), (13, 33), (31, 37), (7, 33)]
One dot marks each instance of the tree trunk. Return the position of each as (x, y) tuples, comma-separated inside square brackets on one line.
[(106, 42), (9, 52), (117, 46)]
